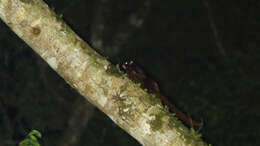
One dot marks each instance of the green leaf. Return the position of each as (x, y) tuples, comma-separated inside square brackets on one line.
[(36, 133), (31, 139)]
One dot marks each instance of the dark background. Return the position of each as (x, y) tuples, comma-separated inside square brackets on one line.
[(204, 55)]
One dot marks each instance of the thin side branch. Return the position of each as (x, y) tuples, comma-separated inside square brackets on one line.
[(221, 49)]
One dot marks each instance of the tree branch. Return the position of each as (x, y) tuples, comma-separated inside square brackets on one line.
[(133, 109)]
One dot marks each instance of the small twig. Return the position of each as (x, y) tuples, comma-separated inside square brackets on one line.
[(124, 30), (213, 26)]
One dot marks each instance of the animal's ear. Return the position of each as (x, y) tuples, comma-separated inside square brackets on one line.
[(155, 87)]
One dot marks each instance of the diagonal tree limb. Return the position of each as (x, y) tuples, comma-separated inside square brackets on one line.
[(130, 107)]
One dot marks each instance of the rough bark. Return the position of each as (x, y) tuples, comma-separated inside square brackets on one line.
[(132, 108)]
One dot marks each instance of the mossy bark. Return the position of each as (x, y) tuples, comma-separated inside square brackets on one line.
[(132, 108)]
